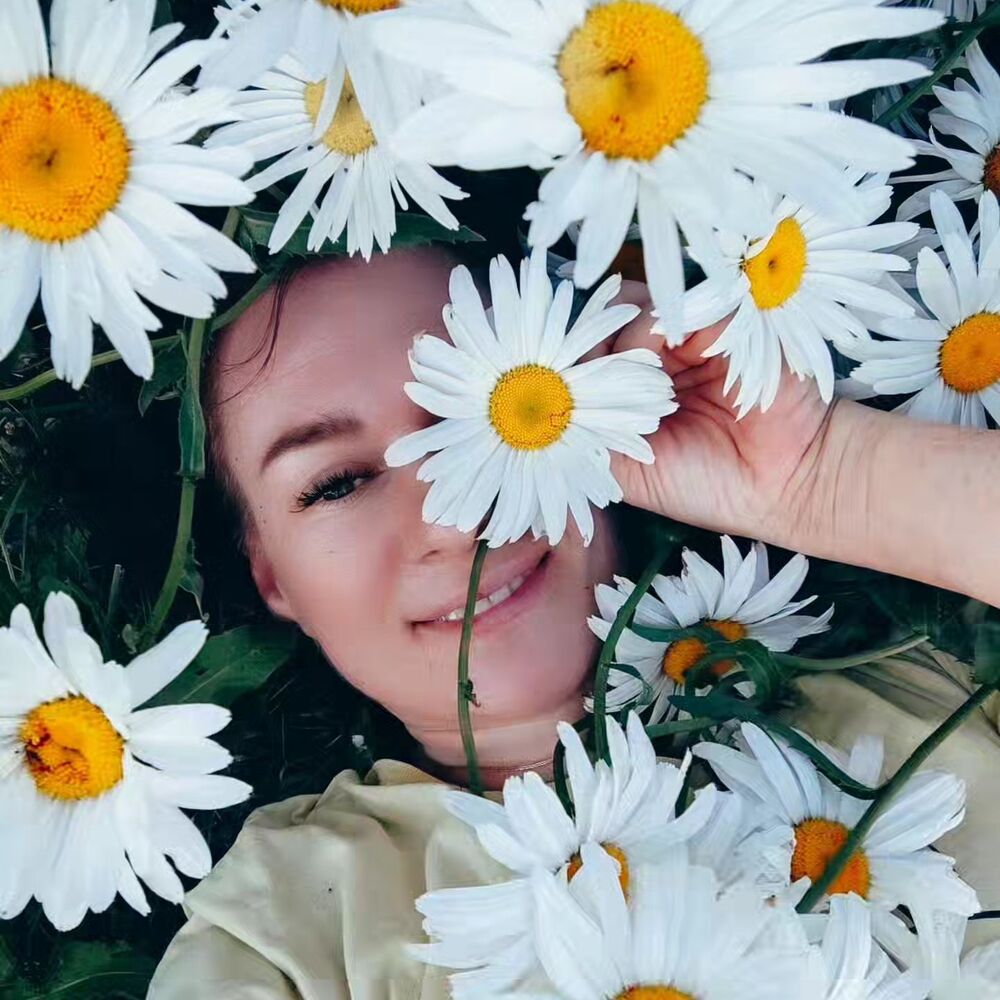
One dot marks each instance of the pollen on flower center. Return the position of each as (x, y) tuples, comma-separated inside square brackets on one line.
[(361, 6), (653, 993), (991, 172), (685, 654), (817, 842), (970, 356), (349, 133), (776, 273), (64, 159), (530, 407), (636, 78), (576, 863), (71, 749)]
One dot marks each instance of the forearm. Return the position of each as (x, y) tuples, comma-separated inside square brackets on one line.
[(901, 496)]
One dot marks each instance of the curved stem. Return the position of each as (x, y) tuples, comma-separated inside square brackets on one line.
[(624, 616), (47, 377), (989, 18), (178, 559), (805, 665), (466, 692), (887, 792)]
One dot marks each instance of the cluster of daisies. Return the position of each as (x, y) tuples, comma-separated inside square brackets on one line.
[(645, 891)]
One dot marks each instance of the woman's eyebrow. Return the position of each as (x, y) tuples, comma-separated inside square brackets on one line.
[(302, 435)]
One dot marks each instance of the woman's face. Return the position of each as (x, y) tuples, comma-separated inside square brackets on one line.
[(337, 539)]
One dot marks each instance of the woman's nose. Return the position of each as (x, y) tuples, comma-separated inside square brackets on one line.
[(429, 540)]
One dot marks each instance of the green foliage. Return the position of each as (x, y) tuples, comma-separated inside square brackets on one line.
[(85, 970), (232, 664)]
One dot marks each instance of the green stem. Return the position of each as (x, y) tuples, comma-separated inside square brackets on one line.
[(233, 313), (178, 559), (679, 726), (723, 709), (624, 616), (888, 791), (466, 692), (805, 665), (989, 18), (47, 377)]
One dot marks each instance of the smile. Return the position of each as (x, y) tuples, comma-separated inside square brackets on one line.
[(489, 601)]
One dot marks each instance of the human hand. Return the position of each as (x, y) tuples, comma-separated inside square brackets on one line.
[(712, 470)]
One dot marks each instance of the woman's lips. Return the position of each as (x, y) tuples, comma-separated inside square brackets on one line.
[(499, 605)]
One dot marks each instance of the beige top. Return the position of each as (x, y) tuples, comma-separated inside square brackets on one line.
[(315, 898)]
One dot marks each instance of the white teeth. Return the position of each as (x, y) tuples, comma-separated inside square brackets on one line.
[(489, 601)]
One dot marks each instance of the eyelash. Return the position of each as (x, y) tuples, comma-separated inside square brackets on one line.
[(353, 479)]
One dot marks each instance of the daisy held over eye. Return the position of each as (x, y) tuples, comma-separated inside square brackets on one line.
[(526, 425), (92, 785), (94, 160)]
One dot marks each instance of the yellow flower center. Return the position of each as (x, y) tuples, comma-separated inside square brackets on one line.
[(970, 357), (817, 842), (349, 132), (991, 171), (685, 654), (776, 273), (653, 993), (530, 407), (71, 749), (361, 6), (576, 863), (64, 159), (636, 78)]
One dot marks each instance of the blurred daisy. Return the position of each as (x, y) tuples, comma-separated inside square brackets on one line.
[(625, 812), (741, 602), (322, 35), (804, 821), (524, 425), (91, 787), (94, 158), (652, 105), (936, 954), (856, 968), (950, 355), (795, 280), (971, 113), (680, 940), (347, 160)]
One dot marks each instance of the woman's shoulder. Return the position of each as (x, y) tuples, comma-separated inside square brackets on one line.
[(311, 874)]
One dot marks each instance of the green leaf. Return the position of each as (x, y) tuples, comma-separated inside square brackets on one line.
[(168, 377), (191, 431), (412, 230), (164, 13), (89, 970), (191, 579), (987, 661), (231, 664)]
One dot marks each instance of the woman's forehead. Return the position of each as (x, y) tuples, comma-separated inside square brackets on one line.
[(346, 323)]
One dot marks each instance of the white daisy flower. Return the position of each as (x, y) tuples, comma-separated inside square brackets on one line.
[(628, 809), (950, 355), (94, 160), (321, 34), (970, 113), (856, 968), (347, 160), (804, 820), (524, 424), (936, 954), (741, 602), (963, 10), (680, 939), (653, 105), (91, 786), (795, 280)]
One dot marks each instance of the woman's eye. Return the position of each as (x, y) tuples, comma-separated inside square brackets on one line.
[(332, 489)]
